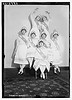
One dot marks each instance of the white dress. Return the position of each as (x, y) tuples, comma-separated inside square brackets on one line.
[(20, 57), (52, 53), (58, 51)]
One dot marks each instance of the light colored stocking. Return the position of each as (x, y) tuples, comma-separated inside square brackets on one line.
[(21, 69), (43, 75)]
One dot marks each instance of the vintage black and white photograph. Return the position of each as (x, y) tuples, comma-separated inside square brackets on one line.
[(36, 49)]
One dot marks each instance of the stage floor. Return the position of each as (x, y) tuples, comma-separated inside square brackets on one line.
[(26, 86)]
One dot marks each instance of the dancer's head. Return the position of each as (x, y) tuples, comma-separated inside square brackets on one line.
[(41, 18), (38, 18), (54, 35), (33, 35), (41, 43), (43, 36), (23, 30), (44, 18)]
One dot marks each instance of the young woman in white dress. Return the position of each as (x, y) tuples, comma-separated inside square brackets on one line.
[(58, 52), (21, 49), (41, 63)]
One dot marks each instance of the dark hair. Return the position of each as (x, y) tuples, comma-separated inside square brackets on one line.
[(23, 29), (32, 33), (44, 34), (38, 17), (40, 42), (56, 34), (43, 18)]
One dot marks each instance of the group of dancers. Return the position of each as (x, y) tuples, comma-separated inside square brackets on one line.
[(38, 44)]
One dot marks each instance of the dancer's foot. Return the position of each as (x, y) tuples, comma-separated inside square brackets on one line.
[(43, 76), (21, 69), (20, 72), (55, 70), (58, 69)]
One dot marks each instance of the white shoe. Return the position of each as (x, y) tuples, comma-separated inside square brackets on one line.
[(20, 72), (43, 76), (55, 70), (59, 69)]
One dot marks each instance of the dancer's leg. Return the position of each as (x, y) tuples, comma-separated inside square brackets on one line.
[(36, 74), (46, 75), (48, 66), (43, 75), (30, 61), (21, 69), (56, 68), (42, 68)]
